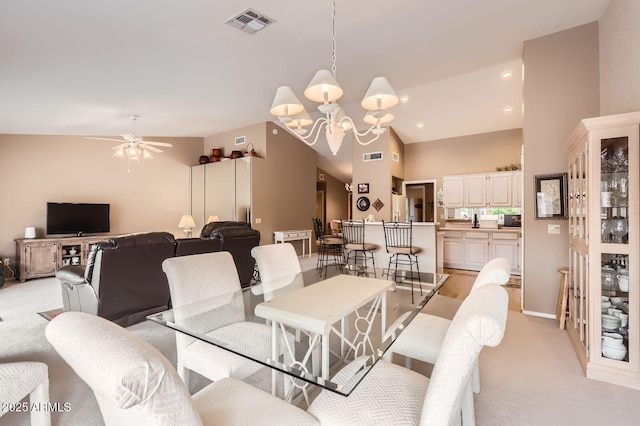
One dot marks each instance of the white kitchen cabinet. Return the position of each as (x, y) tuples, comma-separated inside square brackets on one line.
[(475, 190), (604, 247), (516, 189), (453, 190), (499, 189), (507, 246), (453, 249), (471, 249), (476, 249)]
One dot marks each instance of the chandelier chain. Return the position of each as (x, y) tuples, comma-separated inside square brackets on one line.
[(333, 40)]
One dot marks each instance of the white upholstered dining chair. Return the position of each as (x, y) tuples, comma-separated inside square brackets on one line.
[(19, 379), (136, 385), (280, 270), (199, 277), (393, 395), (276, 263), (422, 338)]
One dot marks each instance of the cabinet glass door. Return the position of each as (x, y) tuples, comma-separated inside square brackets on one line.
[(614, 190), (614, 234)]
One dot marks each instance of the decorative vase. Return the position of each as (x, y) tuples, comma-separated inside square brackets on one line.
[(216, 154), (204, 159)]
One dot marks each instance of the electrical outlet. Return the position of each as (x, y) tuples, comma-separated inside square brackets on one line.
[(553, 229), (6, 261)]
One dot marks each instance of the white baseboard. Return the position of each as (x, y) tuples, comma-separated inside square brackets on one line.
[(539, 314)]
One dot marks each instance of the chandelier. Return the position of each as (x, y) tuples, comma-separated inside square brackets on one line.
[(324, 88)]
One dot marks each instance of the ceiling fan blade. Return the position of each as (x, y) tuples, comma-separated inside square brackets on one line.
[(158, 143), (122, 145), (150, 148), (105, 139)]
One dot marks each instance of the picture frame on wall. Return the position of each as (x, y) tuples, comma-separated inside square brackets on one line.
[(551, 196), (363, 188)]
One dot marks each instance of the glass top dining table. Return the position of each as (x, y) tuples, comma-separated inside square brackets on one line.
[(345, 317)]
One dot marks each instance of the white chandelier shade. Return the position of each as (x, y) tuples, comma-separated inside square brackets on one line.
[(380, 96), (325, 89)]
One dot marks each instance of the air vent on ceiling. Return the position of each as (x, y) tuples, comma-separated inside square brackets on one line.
[(372, 156), (250, 21), (240, 140)]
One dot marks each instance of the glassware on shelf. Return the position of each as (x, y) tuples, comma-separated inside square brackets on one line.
[(609, 281), (605, 231), (619, 229)]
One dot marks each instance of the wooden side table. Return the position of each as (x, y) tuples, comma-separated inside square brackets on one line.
[(293, 235)]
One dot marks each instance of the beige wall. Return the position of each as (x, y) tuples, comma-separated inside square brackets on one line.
[(336, 198), (561, 87), (466, 154), (619, 58), (38, 169), (283, 183)]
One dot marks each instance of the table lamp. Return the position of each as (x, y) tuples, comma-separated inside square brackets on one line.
[(187, 224), (213, 218)]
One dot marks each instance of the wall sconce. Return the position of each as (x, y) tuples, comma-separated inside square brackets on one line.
[(187, 224), (213, 218), (348, 187)]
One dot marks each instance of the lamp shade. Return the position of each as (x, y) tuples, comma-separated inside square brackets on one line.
[(186, 221), (372, 117), (380, 95), (323, 88), (286, 103), (30, 232), (301, 119), (213, 218)]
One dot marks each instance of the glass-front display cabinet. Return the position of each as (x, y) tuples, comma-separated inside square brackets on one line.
[(604, 234)]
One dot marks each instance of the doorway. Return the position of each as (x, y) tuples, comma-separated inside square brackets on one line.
[(420, 200)]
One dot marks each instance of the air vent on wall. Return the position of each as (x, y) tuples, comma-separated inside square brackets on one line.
[(372, 156), (395, 157), (250, 21), (240, 140)]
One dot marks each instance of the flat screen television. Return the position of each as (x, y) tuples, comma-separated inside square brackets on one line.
[(77, 218)]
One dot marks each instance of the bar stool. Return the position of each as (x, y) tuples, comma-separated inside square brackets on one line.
[(398, 239), (357, 252), (563, 297), (329, 249)]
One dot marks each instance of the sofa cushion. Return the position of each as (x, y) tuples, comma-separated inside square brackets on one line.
[(208, 229), (140, 240)]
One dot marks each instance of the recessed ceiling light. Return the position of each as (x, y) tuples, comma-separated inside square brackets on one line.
[(508, 109), (506, 75), (420, 125), (404, 99)]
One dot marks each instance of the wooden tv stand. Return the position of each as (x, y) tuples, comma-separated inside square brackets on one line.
[(42, 257)]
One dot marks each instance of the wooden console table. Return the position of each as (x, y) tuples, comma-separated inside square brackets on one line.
[(42, 257), (293, 235)]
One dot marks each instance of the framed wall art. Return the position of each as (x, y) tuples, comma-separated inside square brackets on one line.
[(363, 188), (551, 196)]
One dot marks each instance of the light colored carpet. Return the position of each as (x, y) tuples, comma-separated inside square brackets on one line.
[(532, 378)]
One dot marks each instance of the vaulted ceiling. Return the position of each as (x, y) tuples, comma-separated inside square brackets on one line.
[(81, 68)]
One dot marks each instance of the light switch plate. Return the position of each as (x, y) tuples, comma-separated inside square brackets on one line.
[(553, 229)]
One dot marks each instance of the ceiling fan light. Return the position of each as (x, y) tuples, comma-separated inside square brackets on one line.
[(286, 103), (372, 117), (323, 88), (146, 155), (119, 153), (380, 95)]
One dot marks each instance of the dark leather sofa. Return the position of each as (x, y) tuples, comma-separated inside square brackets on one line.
[(238, 238), (123, 280)]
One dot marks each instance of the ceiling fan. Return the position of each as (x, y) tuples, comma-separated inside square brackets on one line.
[(134, 147)]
